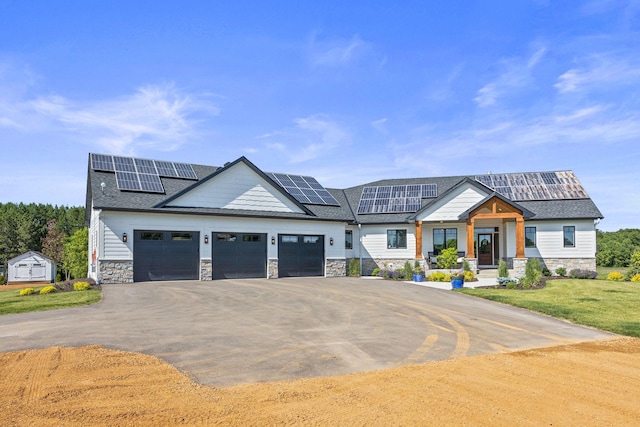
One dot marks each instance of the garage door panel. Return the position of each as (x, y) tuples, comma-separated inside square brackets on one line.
[(166, 255), (300, 255), (239, 255)]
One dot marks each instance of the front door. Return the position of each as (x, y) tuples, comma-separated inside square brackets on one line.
[(485, 249)]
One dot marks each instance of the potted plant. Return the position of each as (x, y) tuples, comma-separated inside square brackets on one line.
[(418, 274), (457, 279)]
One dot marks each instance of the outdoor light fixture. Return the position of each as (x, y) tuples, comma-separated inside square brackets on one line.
[(206, 239), (124, 237), (331, 241), (273, 240)]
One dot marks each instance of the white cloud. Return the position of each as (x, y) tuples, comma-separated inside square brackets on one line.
[(311, 137), (516, 73), (600, 71), (338, 52)]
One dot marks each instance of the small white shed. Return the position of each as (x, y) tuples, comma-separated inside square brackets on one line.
[(31, 267)]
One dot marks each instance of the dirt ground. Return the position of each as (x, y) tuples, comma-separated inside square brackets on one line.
[(594, 383)]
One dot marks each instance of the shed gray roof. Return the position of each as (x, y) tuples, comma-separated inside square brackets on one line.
[(111, 198)]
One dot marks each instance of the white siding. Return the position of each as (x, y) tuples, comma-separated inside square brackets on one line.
[(237, 188), (450, 208), (117, 223), (374, 241), (550, 241)]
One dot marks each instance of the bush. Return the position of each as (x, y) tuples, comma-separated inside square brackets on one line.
[(26, 291), (503, 271), (407, 271), (532, 273), (505, 281), (469, 276), (578, 273), (511, 285), (632, 271), (616, 276), (3, 280), (546, 272), (439, 276), (635, 259), (375, 272), (47, 290), (561, 271), (466, 266), (448, 258), (354, 269), (80, 286), (636, 278)]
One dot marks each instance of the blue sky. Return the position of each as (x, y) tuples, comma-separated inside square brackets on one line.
[(348, 92)]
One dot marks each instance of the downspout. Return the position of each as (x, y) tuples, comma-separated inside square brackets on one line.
[(360, 246)]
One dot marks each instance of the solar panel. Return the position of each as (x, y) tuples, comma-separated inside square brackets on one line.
[(124, 164), (535, 185), (102, 162), (150, 182), (304, 189), (395, 198), (127, 181), (185, 170), (145, 166), (165, 169)]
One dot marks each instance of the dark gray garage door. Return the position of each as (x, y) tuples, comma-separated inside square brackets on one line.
[(239, 255), (166, 255), (300, 255)]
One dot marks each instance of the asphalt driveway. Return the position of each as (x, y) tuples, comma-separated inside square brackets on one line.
[(239, 331)]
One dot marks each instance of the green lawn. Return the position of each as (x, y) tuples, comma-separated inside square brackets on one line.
[(603, 304), (604, 271), (11, 302)]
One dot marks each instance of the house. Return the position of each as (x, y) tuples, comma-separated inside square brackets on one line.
[(163, 220), (33, 267)]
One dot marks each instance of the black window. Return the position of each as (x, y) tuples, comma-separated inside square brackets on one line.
[(348, 239), (251, 237), (181, 236), (569, 236), (149, 235), (396, 239), (529, 237), (444, 238)]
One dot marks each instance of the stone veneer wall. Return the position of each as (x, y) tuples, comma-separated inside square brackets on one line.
[(115, 272), (336, 267), (368, 264), (206, 269), (272, 268), (518, 264)]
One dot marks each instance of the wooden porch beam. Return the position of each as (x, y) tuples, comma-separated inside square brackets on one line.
[(470, 228), (520, 237), (419, 240)]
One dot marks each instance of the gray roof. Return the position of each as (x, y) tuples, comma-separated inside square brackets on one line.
[(111, 198)]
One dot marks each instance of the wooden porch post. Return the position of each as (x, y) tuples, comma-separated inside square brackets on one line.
[(470, 228), (419, 240), (519, 237)]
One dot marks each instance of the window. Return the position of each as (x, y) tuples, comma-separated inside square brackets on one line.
[(149, 235), (529, 237), (289, 239), (348, 239), (181, 236), (396, 239), (251, 238), (311, 239), (226, 237), (444, 238), (569, 236)]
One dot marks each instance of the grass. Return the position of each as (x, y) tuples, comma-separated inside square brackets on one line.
[(11, 302), (604, 271), (607, 305)]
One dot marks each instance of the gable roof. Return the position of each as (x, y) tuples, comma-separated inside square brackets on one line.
[(112, 198)]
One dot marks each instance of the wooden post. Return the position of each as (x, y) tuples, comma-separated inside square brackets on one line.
[(419, 240), (519, 237), (470, 228)]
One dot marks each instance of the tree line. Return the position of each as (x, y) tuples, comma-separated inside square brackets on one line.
[(56, 231), (615, 248)]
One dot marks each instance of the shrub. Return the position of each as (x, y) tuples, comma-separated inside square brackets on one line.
[(47, 290), (26, 291), (632, 271), (578, 273), (503, 271), (466, 266), (505, 281), (439, 276), (375, 272), (532, 273), (448, 258), (561, 271), (469, 276), (546, 272), (616, 276), (407, 270), (80, 286), (354, 269), (3, 280), (636, 278), (635, 259), (511, 285)]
